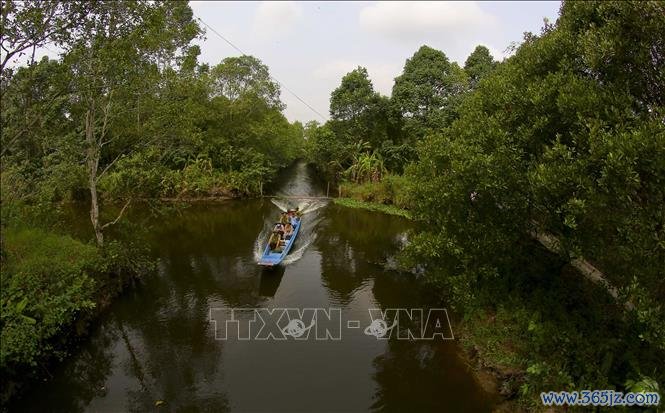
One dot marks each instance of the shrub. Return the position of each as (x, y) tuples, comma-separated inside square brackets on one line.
[(46, 282), (391, 190)]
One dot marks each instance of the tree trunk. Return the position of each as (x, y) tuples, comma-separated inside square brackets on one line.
[(92, 161)]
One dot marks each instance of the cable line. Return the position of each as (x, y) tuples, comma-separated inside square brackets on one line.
[(272, 77)]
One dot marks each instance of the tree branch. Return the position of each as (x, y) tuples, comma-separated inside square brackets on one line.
[(108, 166), (115, 221), (107, 109)]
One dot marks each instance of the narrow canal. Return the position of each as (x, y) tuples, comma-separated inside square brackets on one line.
[(156, 348)]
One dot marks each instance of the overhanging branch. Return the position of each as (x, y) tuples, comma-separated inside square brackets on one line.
[(115, 221)]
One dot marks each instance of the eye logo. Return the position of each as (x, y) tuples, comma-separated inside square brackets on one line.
[(296, 328), (378, 328)]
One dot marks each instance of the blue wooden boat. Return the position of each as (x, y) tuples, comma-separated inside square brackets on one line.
[(272, 258)]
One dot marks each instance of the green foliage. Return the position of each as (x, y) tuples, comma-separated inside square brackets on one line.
[(366, 128), (391, 190), (353, 97), (31, 24), (366, 167), (535, 337), (478, 65), (643, 385), (46, 283), (428, 91), (50, 285), (357, 112), (566, 138), (128, 109), (326, 151), (372, 206), (240, 76), (165, 130)]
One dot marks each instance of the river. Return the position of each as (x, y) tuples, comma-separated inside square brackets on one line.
[(155, 348)]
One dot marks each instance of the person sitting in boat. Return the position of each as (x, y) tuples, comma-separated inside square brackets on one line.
[(274, 241), (279, 228), (288, 231), (284, 218)]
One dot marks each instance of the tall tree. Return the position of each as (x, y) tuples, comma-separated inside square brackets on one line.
[(357, 111), (479, 63), (353, 96), (236, 77), (428, 91), (564, 138), (109, 55)]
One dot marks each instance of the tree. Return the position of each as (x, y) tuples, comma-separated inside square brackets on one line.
[(31, 24), (357, 111), (108, 56), (428, 91), (479, 63), (353, 96), (240, 76), (564, 138)]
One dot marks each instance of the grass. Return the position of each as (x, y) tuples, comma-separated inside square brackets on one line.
[(373, 206)]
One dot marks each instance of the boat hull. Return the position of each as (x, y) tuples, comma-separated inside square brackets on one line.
[(271, 259)]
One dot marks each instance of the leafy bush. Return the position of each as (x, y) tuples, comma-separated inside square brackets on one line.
[(372, 206), (391, 190), (46, 282), (139, 174), (142, 175), (565, 138)]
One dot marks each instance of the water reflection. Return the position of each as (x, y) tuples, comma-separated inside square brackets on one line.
[(270, 280), (354, 248)]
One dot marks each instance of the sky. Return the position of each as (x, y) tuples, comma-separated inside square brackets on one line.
[(309, 46)]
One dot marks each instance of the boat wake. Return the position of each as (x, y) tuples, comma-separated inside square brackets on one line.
[(305, 205), (298, 253)]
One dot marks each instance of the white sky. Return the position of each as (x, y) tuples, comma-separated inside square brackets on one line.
[(309, 46)]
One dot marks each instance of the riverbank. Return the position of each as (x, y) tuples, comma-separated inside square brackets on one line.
[(388, 196), (52, 287), (373, 206), (496, 361)]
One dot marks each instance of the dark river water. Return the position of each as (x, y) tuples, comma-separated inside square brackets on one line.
[(156, 348)]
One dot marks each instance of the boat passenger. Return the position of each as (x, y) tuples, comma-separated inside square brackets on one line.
[(284, 219), (274, 240), (288, 231)]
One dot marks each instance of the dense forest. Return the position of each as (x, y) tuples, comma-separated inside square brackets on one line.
[(562, 143), (538, 181), (126, 114)]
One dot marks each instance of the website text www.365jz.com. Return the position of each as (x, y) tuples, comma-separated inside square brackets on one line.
[(599, 398)]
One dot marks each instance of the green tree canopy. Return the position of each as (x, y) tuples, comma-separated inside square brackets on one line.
[(565, 138), (353, 97), (358, 113), (238, 77), (479, 63), (429, 88)]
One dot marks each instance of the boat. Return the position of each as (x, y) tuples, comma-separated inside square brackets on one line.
[(271, 258)]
